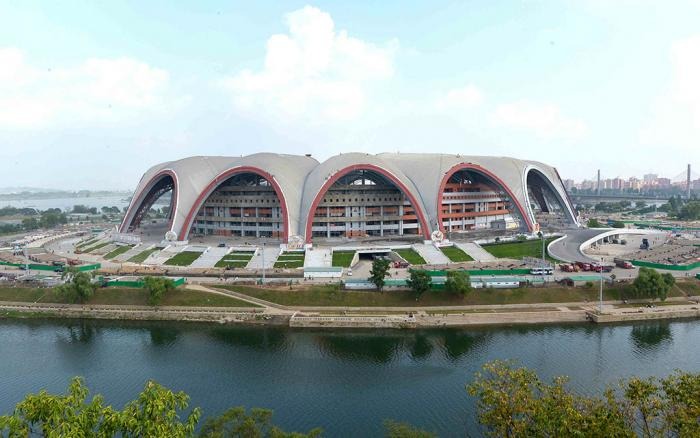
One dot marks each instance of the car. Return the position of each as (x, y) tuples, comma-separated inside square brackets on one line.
[(222, 245), (349, 272)]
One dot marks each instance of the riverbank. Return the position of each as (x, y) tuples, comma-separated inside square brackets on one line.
[(392, 318)]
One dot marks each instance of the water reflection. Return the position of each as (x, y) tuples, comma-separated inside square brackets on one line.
[(360, 346), (651, 336), (270, 339), (421, 347), (163, 336), (79, 332), (458, 343)]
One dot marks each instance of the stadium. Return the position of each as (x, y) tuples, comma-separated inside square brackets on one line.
[(297, 200)]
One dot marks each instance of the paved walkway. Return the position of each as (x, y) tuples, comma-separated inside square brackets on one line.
[(132, 252), (475, 251), (271, 254), (209, 257), (431, 254), (318, 258)]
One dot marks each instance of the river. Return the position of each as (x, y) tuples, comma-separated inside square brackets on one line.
[(347, 382)]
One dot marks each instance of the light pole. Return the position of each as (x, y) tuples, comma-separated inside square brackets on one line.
[(541, 236), (600, 305), (263, 262)]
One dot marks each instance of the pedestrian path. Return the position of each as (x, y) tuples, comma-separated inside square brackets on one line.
[(209, 257), (138, 249), (432, 255), (270, 257), (475, 251), (318, 258), (159, 257)]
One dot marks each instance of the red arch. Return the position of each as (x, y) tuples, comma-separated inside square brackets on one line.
[(480, 169), (220, 178), (344, 171), (147, 188)]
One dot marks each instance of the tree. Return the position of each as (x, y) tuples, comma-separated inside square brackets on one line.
[(650, 284), (419, 282), (514, 402), (157, 287), (458, 282), (78, 286), (593, 223), (379, 272), (618, 224), (155, 413), (393, 429), (235, 422), (61, 415)]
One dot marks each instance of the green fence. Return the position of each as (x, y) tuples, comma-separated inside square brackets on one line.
[(39, 267), (138, 283), (663, 266), (481, 272)]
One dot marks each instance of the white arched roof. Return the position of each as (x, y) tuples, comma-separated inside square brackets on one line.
[(301, 180)]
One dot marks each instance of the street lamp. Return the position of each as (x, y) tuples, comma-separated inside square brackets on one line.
[(600, 305), (541, 236), (263, 262)]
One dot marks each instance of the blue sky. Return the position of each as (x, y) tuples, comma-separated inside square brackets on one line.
[(92, 95)]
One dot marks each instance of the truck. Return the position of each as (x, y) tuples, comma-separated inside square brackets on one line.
[(624, 264), (583, 266), (567, 267), (602, 268), (645, 244)]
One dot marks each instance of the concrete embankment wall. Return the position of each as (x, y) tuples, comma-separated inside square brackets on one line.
[(202, 314), (645, 315), (439, 320)]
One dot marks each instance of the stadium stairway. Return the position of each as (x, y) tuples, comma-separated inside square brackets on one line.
[(271, 254), (318, 258), (209, 257), (432, 255), (475, 251)]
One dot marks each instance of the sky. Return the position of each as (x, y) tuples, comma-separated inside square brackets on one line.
[(94, 93)]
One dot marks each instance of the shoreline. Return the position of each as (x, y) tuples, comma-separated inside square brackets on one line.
[(419, 319)]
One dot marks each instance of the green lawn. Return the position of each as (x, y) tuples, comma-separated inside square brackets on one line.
[(235, 260), (142, 256), (85, 243), (118, 251), (184, 258), (93, 248), (332, 295), (518, 250), (411, 256), (290, 260), (343, 258), (126, 296), (455, 254)]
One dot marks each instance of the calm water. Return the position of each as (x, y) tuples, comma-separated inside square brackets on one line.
[(345, 381)]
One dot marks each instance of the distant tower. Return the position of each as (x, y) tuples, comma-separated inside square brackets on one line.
[(687, 182), (598, 186)]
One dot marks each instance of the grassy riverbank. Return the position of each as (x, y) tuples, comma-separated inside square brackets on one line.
[(125, 296), (331, 295)]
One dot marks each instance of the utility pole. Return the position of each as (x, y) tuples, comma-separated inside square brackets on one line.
[(600, 306), (263, 262)]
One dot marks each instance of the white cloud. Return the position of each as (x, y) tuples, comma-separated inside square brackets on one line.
[(675, 115), (545, 120), (459, 98), (96, 89), (313, 71)]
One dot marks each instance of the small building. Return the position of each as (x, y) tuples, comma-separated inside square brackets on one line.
[(496, 282), (323, 272), (581, 280)]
